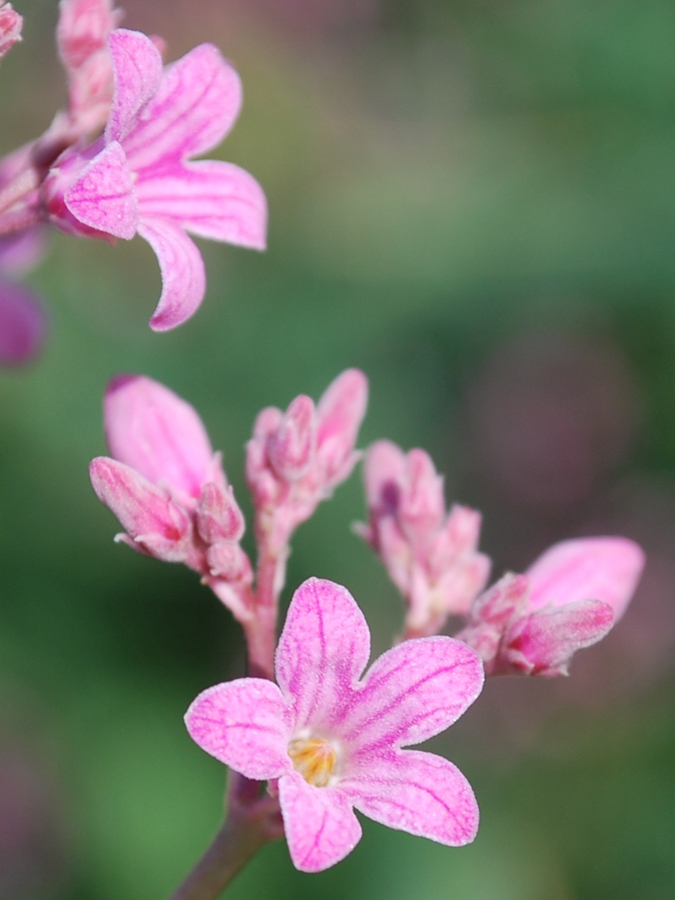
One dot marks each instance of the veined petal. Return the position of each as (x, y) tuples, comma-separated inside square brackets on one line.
[(600, 568), (103, 196), (157, 433), (137, 68), (243, 723), (322, 651), (411, 693), (195, 106), (417, 792), (320, 825), (183, 275), (216, 200)]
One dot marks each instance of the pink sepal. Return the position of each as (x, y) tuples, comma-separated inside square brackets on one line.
[(218, 515), (292, 445), (155, 524)]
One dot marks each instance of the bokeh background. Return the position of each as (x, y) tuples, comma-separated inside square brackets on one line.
[(474, 202)]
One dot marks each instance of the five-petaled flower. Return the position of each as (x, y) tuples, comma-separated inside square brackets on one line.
[(139, 178), (331, 743)]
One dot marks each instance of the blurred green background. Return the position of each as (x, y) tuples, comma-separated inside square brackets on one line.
[(474, 202)]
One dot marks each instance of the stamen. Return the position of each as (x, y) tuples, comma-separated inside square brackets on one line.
[(314, 759)]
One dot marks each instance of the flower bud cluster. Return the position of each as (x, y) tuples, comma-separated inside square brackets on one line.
[(533, 624), (168, 489), (297, 458), (430, 555), (11, 25)]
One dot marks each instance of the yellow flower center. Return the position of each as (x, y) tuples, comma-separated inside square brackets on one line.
[(314, 759)]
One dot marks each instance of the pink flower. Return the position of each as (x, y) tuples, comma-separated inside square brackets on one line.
[(139, 178), (11, 25), (431, 556), (568, 599), (334, 741), (22, 325), (168, 489), (297, 458)]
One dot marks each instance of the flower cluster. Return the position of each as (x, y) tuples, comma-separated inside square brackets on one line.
[(327, 740), (138, 176)]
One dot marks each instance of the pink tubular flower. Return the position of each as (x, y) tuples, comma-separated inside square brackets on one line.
[(168, 489), (334, 741), (11, 25), (297, 458), (568, 599), (139, 178), (431, 557)]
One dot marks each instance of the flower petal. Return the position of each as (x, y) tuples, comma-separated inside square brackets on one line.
[(137, 67), (183, 275), (22, 325), (243, 723), (321, 828), (411, 693), (601, 568), (103, 196), (195, 106), (322, 651), (157, 433), (216, 200), (417, 792)]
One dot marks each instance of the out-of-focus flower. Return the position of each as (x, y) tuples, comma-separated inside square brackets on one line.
[(82, 37), (23, 325), (11, 25), (297, 458), (168, 489), (431, 557), (138, 178), (568, 599), (334, 741)]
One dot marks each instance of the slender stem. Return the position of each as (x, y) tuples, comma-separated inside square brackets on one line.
[(251, 822)]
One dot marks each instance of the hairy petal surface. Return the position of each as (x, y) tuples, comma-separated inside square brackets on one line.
[(602, 568), (320, 825), (322, 651), (243, 723), (156, 432), (103, 196), (183, 275), (212, 199), (194, 108), (417, 792), (137, 67), (411, 693)]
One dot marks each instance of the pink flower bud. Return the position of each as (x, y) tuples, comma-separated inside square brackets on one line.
[(228, 562), (218, 515), (292, 445), (11, 24), (340, 412), (154, 431), (155, 524), (422, 506), (602, 568), (22, 325), (383, 474)]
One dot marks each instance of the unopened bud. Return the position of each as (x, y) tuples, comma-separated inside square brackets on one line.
[(291, 447)]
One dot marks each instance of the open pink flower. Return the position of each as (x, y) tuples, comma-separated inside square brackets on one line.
[(432, 557), (168, 489), (297, 458), (334, 741), (139, 177), (568, 599)]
